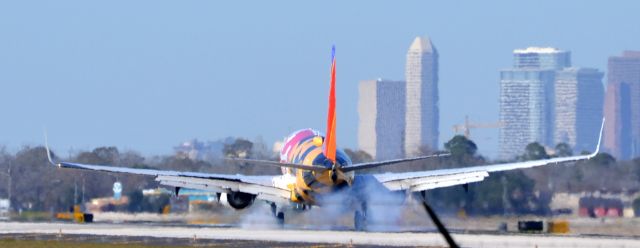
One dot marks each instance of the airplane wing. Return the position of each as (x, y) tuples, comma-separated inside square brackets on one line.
[(425, 180), (270, 188)]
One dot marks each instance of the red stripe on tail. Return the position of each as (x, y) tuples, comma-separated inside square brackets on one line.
[(330, 139)]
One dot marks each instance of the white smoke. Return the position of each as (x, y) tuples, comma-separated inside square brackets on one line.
[(258, 216), (386, 211)]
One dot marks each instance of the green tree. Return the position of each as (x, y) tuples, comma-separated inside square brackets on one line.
[(535, 151), (460, 147), (489, 197), (603, 159), (636, 205), (240, 148), (563, 150), (636, 168)]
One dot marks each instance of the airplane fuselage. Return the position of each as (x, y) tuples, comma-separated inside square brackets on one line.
[(306, 147)]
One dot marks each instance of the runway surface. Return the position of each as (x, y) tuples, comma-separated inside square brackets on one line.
[(311, 236)]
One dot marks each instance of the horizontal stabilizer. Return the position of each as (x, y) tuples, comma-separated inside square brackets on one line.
[(279, 164), (369, 165)]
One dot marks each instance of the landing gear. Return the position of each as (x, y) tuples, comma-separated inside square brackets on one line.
[(278, 214), (360, 218), (280, 219)]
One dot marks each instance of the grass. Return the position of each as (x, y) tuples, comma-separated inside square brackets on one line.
[(13, 243), (31, 216), (120, 242), (58, 244)]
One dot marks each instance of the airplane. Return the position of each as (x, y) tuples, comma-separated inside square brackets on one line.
[(313, 167)]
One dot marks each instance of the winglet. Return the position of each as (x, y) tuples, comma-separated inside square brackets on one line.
[(599, 141), (46, 146)]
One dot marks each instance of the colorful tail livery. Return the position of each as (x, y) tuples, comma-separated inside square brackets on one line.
[(330, 139)]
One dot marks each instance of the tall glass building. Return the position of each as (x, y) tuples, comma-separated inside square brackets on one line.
[(622, 106), (543, 99), (579, 97), (422, 111), (526, 109), (541, 58)]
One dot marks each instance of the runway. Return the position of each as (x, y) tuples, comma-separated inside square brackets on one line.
[(309, 236)]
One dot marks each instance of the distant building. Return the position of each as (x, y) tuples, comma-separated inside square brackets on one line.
[(381, 105), (201, 150), (579, 97), (541, 58), (527, 99), (543, 99), (525, 109), (622, 106), (422, 111)]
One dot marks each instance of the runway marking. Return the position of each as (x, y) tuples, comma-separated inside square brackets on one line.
[(310, 236)]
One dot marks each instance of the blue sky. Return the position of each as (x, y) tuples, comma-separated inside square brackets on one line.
[(147, 75)]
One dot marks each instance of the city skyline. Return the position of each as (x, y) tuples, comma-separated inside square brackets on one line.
[(545, 99), (96, 74)]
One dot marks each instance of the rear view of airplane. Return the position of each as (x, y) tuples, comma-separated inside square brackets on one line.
[(313, 167)]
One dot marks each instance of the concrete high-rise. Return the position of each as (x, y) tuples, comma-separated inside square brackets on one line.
[(579, 96), (422, 111), (622, 106), (527, 99), (381, 105)]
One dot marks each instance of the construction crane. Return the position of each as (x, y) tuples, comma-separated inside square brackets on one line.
[(467, 126)]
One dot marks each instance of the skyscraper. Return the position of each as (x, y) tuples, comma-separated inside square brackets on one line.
[(525, 109), (579, 96), (422, 112), (543, 58), (381, 105), (622, 106), (527, 99)]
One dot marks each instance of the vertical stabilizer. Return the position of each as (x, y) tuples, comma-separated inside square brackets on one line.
[(330, 139)]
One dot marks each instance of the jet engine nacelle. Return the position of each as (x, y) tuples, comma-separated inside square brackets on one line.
[(240, 200)]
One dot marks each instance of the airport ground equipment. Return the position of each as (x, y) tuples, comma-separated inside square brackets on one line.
[(531, 226), (75, 214), (558, 227)]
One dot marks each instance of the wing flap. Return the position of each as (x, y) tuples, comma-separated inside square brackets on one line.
[(271, 188), (222, 186), (414, 184)]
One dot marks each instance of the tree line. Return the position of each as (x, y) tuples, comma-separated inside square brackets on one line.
[(36, 185)]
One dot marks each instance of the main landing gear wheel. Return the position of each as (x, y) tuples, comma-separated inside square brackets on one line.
[(360, 218), (279, 215), (280, 219)]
